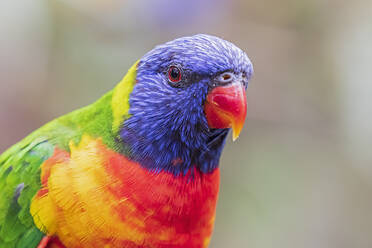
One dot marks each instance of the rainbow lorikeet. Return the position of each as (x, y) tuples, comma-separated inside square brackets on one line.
[(139, 167)]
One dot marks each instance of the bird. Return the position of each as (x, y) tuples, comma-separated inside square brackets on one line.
[(138, 168)]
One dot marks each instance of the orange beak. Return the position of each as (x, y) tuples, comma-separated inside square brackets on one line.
[(226, 107)]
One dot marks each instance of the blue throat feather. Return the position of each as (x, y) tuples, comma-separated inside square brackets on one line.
[(168, 130)]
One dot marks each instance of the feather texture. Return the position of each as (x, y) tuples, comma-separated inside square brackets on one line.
[(96, 197)]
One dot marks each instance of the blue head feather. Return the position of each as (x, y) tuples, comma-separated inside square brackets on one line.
[(167, 130)]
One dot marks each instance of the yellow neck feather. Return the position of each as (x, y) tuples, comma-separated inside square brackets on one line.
[(120, 99)]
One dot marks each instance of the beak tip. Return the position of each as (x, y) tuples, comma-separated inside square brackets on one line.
[(236, 133)]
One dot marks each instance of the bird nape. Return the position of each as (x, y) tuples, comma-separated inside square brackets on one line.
[(139, 168)]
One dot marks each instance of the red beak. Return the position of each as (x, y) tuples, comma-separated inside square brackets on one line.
[(226, 107)]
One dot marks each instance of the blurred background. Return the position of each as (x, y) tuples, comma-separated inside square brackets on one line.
[(301, 173)]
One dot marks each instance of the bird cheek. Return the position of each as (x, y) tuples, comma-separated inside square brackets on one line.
[(226, 107)]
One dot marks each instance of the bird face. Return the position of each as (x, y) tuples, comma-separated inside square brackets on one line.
[(189, 93)]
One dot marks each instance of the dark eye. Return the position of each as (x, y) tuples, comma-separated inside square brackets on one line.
[(174, 74)]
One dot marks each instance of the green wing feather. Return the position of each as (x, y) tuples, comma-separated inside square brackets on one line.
[(20, 169), (20, 165), (19, 182)]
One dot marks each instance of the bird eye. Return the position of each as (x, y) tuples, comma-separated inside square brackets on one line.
[(174, 74)]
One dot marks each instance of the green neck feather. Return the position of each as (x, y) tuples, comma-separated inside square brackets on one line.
[(101, 119)]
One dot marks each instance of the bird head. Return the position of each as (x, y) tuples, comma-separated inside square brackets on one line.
[(189, 93)]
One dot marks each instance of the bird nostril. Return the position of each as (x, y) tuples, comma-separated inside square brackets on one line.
[(226, 77)]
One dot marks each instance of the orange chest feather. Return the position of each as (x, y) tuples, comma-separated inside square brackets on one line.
[(94, 197)]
